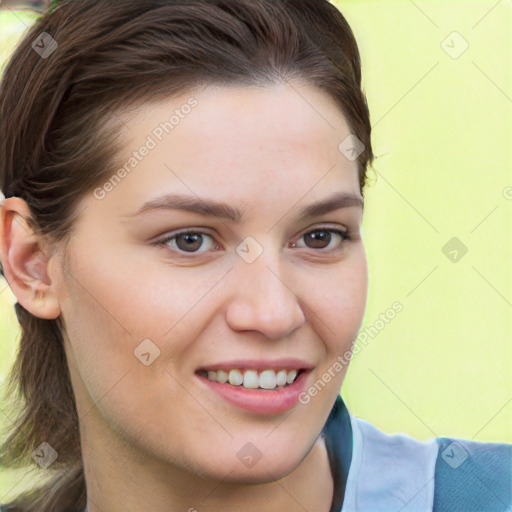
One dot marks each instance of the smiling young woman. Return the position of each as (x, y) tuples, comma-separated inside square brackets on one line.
[(182, 230)]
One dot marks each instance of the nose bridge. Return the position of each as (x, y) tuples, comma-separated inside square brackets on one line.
[(263, 300)]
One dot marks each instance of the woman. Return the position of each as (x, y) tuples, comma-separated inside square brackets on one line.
[(184, 195)]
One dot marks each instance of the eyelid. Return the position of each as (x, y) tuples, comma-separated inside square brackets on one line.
[(326, 227)]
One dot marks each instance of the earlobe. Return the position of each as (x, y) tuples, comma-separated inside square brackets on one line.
[(24, 262)]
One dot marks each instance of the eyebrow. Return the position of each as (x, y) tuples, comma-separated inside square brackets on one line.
[(213, 208)]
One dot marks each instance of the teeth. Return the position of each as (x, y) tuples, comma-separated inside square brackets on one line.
[(222, 376), (281, 378), (249, 379), (235, 377), (290, 376), (268, 379)]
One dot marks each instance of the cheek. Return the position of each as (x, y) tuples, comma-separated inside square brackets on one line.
[(120, 316), (337, 298), (133, 292)]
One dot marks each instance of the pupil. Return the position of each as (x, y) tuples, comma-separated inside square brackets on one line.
[(191, 238), (319, 239)]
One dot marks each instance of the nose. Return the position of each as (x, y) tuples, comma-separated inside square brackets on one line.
[(263, 300)]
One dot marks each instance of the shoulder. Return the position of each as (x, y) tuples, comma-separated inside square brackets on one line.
[(389, 471), (472, 474), (442, 474)]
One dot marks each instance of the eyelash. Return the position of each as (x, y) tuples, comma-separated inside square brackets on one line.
[(345, 235)]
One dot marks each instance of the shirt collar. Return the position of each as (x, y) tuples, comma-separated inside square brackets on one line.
[(337, 433)]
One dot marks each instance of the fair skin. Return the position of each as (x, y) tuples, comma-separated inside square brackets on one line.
[(155, 437)]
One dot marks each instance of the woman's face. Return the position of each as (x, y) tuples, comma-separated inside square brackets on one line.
[(267, 289)]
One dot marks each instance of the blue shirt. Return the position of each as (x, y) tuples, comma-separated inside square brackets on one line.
[(378, 472)]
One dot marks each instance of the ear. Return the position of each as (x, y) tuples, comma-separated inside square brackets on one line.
[(24, 262)]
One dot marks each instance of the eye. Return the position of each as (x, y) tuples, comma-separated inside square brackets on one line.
[(187, 241), (321, 238), (190, 241)]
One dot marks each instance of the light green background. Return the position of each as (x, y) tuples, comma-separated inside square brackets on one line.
[(442, 133), (442, 136)]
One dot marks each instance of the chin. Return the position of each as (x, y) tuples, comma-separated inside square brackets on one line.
[(271, 465), (260, 474)]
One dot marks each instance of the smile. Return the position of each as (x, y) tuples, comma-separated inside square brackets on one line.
[(252, 379), (234, 387)]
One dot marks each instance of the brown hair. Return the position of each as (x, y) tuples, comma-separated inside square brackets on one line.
[(57, 143)]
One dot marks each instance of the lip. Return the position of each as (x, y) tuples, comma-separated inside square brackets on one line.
[(259, 364), (260, 401)]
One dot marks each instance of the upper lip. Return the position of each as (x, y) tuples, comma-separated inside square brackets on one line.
[(259, 364)]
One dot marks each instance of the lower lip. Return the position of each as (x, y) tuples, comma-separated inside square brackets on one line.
[(259, 401)]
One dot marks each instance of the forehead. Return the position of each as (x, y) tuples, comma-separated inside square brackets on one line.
[(256, 148), (227, 130)]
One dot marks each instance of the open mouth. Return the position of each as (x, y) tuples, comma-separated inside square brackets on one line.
[(263, 380), (260, 390)]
